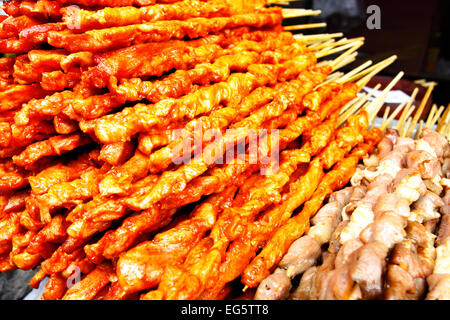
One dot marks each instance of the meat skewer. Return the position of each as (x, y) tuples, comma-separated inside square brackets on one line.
[(80, 20), (107, 39)]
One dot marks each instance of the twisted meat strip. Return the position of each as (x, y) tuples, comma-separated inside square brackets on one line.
[(67, 255), (80, 20), (110, 38), (135, 88), (156, 58), (439, 280), (294, 228), (117, 153), (80, 189), (148, 142), (30, 246), (202, 213), (55, 288), (77, 108), (91, 284), (12, 177), (202, 188), (114, 3), (29, 38), (11, 26), (6, 73), (16, 137), (142, 117), (64, 125), (347, 138), (13, 97), (171, 246), (56, 145), (30, 67), (112, 244), (220, 119), (41, 9)]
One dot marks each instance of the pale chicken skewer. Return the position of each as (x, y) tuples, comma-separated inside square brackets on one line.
[(421, 164), (389, 237), (439, 280)]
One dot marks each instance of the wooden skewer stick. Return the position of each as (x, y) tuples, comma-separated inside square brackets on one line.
[(333, 43), (361, 99), (280, 1), (347, 60), (446, 131), (386, 113), (321, 44), (355, 105), (340, 61), (315, 37), (436, 116), (350, 51), (444, 120), (378, 102), (332, 78), (294, 13), (419, 130), (420, 109), (352, 108), (349, 104), (391, 118), (406, 127), (408, 110), (369, 73), (354, 71), (430, 116), (408, 115), (305, 26), (351, 45)]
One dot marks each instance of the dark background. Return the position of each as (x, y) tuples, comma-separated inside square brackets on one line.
[(417, 31)]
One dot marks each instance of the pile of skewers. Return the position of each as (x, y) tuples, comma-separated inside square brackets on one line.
[(116, 121), (387, 235)]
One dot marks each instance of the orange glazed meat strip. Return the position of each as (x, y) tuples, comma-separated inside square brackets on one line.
[(53, 146), (114, 3), (12, 26), (82, 20), (41, 9), (107, 39)]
